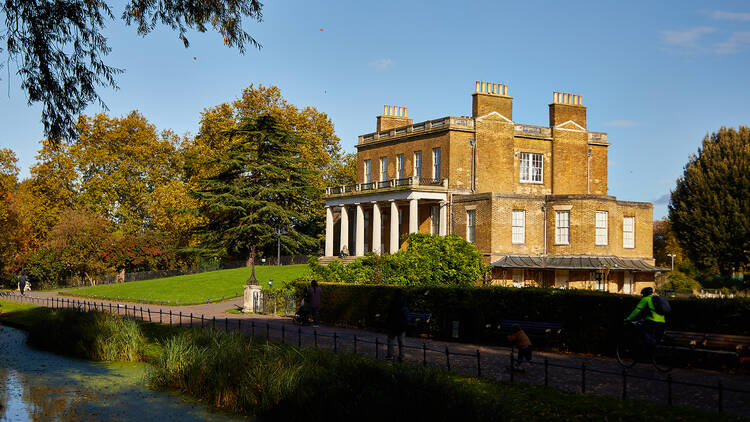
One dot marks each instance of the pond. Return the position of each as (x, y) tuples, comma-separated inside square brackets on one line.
[(41, 386)]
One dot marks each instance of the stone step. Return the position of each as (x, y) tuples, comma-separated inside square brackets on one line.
[(325, 260)]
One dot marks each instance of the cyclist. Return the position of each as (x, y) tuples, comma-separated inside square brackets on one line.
[(652, 321)]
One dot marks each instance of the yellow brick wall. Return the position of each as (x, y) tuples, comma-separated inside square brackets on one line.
[(598, 170), (459, 159), (482, 104), (569, 155), (561, 113), (502, 228), (483, 206), (536, 146), (494, 155)]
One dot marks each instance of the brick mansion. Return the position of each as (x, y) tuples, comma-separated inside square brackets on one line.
[(533, 199)]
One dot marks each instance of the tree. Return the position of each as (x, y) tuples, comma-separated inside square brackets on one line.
[(120, 162), (710, 207), (59, 46), (665, 242), (262, 186), (78, 240), (13, 234)]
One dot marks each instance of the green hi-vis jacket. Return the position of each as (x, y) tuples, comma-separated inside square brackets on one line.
[(652, 316)]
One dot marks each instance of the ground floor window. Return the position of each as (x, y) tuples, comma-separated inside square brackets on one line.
[(518, 278)]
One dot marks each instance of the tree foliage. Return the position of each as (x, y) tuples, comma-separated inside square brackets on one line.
[(60, 48), (428, 261), (710, 207), (261, 186)]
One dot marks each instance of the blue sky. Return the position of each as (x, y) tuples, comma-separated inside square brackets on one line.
[(657, 76)]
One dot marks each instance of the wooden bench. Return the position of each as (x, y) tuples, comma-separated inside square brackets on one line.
[(542, 334), (734, 348), (417, 322)]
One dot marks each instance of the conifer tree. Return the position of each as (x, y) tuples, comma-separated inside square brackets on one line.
[(260, 188), (710, 207)]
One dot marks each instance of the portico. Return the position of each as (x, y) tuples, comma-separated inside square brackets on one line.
[(375, 222)]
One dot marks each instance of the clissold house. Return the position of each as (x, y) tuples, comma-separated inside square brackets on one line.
[(533, 199)]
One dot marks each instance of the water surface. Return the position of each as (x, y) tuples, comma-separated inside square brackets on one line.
[(41, 386)]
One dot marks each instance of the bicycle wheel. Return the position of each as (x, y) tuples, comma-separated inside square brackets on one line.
[(662, 358), (626, 353)]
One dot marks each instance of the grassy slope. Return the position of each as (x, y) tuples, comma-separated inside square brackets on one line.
[(521, 402), (194, 287)]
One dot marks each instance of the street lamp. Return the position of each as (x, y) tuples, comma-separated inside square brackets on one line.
[(672, 256), (279, 231)]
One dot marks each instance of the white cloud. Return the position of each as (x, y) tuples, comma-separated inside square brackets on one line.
[(382, 64), (734, 44), (621, 123), (732, 16), (687, 38)]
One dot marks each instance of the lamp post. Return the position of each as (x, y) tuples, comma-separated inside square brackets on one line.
[(672, 256), (279, 231)]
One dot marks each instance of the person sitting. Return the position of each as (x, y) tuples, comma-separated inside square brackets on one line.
[(344, 252)]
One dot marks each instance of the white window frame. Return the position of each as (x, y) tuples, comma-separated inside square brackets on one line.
[(434, 219), (418, 163), (436, 163), (383, 169), (519, 281), (562, 227), (471, 226), (628, 232), (518, 224), (531, 167), (368, 171), (602, 228), (400, 166)]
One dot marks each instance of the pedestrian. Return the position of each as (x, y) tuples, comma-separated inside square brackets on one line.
[(21, 282), (519, 339), (314, 293), (396, 322)]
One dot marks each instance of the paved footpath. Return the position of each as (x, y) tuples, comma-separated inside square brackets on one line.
[(577, 373)]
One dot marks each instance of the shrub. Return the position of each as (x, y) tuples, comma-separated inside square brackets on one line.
[(591, 320), (681, 282), (428, 261), (44, 268)]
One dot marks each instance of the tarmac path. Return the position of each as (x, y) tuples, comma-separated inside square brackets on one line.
[(571, 372)]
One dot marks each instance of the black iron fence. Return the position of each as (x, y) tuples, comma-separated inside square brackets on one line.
[(474, 362)]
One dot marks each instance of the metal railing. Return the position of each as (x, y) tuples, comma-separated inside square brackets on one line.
[(424, 354)]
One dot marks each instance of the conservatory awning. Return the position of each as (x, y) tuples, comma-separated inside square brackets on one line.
[(614, 263)]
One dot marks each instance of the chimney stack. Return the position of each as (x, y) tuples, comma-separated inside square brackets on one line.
[(392, 117), (566, 106), (489, 97)]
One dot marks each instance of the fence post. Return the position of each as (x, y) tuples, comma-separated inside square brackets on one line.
[(721, 396), (355, 344), (377, 346), (191, 320), (202, 321), (546, 372), (179, 323), (213, 322), (448, 357), (299, 336), (141, 312), (315, 334), (268, 332), (283, 333), (239, 325), (110, 308), (252, 329), (424, 354), (512, 364), (149, 314), (160, 315), (624, 384), (479, 365), (669, 389), (226, 324), (335, 343), (583, 378), (170, 317)]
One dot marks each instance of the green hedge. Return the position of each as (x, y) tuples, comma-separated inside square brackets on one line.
[(591, 320)]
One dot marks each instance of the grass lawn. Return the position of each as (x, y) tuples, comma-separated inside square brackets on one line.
[(193, 288)]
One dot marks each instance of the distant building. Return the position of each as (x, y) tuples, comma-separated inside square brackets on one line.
[(532, 198)]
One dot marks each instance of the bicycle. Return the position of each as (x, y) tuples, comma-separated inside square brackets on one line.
[(631, 350)]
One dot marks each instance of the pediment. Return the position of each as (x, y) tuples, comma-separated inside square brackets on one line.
[(571, 125), (494, 115)]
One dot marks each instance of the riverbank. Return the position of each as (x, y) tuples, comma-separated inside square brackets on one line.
[(282, 382)]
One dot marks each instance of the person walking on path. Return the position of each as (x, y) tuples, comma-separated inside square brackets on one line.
[(397, 321), (314, 293), (21, 282), (519, 339)]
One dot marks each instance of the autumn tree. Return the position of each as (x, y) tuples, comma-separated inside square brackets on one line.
[(320, 150), (665, 242), (261, 186), (710, 207), (59, 46), (120, 162), (12, 236)]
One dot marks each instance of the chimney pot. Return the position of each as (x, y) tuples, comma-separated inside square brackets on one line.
[(404, 111), (477, 88)]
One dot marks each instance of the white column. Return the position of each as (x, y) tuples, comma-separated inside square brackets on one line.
[(376, 229), (329, 231), (413, 216), (394, 228), (359, 249), (443, 225), (344, 229)]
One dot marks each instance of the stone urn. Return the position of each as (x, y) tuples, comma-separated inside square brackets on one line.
[(252, 291)]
